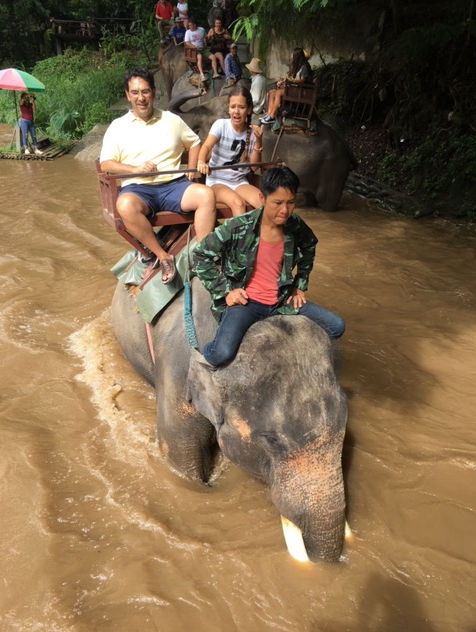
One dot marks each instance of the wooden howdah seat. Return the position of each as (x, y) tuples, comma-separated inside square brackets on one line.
[(191, 59), (171, 226), (299, 102)]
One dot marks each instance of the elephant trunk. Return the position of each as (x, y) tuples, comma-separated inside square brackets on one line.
[(308, 490)]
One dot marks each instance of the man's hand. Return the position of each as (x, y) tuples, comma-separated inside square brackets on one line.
[(297, 298), (193, 175), (146, 167), (236, 297)]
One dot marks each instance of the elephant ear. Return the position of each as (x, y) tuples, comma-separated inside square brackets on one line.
[(204, 391)]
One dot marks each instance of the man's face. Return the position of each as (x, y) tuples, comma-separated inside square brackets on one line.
[(278, 206), (141, 97)]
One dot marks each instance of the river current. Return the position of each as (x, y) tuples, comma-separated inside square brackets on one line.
[(98, 534)]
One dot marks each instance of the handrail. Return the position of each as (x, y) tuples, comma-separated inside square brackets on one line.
[(119, 176)]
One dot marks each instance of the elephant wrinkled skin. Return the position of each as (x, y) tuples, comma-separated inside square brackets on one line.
[(277, 410)]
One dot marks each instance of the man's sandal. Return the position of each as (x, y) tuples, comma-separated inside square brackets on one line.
[(169, 270)]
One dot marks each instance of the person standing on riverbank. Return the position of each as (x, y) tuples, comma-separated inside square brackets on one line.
[(27, 125), (146, 140)]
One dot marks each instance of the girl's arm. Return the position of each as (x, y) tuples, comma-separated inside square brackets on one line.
[(205, 153)]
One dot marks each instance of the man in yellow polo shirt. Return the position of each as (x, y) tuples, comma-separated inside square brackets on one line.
[(145, 140)]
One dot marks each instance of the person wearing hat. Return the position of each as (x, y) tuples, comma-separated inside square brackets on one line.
[(258, 85), (233, 70), (178, 32)]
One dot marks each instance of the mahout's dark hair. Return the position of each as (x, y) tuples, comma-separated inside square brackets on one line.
[(143, 73), (277, 177)]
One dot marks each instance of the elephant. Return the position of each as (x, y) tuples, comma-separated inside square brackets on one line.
[(276, 410), (172, 66), (322, 161)]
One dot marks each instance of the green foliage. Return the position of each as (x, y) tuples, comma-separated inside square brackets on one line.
[(443, 166), (140, 36), (264, 21), (80, 87)]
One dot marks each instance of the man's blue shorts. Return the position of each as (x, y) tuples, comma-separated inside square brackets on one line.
[(166, 196)]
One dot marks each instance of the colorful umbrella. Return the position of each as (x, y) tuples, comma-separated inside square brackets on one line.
[(13, 79)]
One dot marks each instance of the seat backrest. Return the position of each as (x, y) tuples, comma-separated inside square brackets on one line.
[(299, 100), (190, 55)]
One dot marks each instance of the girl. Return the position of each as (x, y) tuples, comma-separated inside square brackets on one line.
[(299, 71), (231, 141)]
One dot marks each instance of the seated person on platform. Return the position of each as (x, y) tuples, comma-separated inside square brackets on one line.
[(258, 85), (233, 70), (178, 32), (232, 140), (182, 10), (218, 39), (164, 13), (257, 253), (299, 72), (145, 140), (195, 38)]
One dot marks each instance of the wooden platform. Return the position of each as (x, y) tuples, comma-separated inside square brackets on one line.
[(50, 152)]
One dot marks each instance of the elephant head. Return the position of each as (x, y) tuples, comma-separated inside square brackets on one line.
[(277, 410), (280, 414)]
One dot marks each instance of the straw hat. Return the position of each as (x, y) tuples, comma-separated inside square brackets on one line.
[(254, 66)]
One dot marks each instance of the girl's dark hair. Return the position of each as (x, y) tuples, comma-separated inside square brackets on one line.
[(298, 60), (143, 73), (240, 90), (279, 177)]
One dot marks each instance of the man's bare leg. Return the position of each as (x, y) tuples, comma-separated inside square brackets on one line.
[(133, 212), (200, 66), (201, 199)]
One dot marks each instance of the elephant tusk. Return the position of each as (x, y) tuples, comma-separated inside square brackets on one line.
[(349, 536), (294, 542)]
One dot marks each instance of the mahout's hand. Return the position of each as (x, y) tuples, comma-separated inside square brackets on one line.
[(236, 297), (297, 298)]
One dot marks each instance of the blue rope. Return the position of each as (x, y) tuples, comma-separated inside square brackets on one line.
[(189, 324)]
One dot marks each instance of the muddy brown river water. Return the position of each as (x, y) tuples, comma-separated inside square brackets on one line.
[(97, 534)]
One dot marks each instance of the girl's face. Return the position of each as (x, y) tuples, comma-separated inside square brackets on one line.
[(238, 111)]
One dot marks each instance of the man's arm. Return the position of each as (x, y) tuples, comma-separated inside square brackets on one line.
[(113, 166)]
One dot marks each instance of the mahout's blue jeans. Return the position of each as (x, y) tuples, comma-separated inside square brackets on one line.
[(238, 319)]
